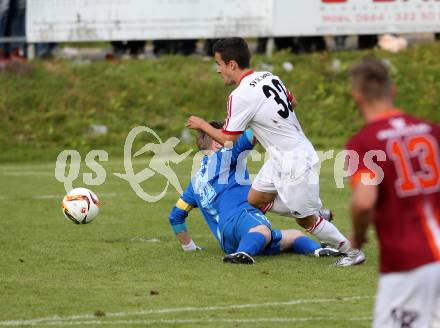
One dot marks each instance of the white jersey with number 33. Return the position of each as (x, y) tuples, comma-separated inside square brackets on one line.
[(261, 102)]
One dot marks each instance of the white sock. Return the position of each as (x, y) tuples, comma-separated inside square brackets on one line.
[(327, 233)]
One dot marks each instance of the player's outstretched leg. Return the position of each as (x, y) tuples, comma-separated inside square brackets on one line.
[(305, 245), (326, 232), (295, 241), (329, 234)]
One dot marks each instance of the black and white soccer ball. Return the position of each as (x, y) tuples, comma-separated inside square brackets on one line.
[(80, 206)]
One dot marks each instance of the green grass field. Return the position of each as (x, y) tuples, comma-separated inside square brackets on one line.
[(126, 269), (51, 104)]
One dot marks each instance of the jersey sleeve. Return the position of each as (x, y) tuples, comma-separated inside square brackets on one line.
[(245, 142), (188, 196), (183, 206), (239, 115)]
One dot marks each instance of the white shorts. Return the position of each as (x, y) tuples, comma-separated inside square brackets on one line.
[(409, 299), (297, 189)]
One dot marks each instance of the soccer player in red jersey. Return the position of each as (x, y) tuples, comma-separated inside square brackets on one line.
[(396, 186)]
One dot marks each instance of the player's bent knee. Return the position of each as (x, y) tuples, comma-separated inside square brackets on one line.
[(307, 222), (288, 238), (264, 230), (294, 234)]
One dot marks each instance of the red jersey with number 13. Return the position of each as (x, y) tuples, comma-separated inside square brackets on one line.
[(407, 213)]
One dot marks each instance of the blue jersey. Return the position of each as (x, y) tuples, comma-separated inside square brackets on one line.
[(219, 189)]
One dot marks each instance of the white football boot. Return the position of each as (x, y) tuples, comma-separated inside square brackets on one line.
[(354, 257)]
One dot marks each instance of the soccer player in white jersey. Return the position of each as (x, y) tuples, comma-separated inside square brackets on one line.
[(288, 182)]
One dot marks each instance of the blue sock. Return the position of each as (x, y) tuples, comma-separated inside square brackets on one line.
[(304, 245), (252, 243)]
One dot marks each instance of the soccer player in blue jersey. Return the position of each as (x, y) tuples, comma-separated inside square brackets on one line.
[(219, 189)]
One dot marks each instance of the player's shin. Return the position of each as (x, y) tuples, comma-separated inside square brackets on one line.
[(252, 243), (324, 230), (304, 245), (327, 233)]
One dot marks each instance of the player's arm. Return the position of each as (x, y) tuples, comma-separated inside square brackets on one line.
[(364, 196), (246, 142), (362, 208), (195, 122), (240, 113), (177, 219)]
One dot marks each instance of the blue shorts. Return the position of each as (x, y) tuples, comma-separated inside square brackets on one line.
[(240, 224)]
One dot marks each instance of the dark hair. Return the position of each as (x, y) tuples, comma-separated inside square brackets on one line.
[(371, 78), (203, 140), (233, 49)]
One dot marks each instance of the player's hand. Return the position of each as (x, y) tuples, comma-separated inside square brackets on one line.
[(192, 247), (195, 122)]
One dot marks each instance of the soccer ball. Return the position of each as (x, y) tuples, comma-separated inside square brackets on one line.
[(80, 206)]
